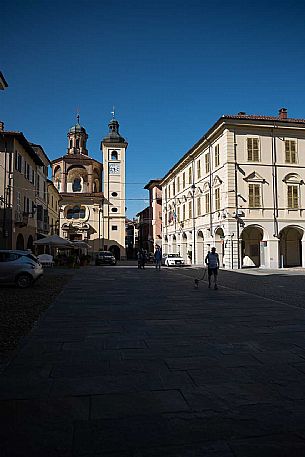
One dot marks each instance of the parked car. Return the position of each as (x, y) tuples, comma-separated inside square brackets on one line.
[(19, 267), (105, 258), (172, 260)]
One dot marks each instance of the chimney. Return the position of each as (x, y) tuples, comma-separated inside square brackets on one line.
[(241, 113), (1, 126), (283, 113)]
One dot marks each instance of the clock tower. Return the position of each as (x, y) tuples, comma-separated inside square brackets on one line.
[(114, 147)]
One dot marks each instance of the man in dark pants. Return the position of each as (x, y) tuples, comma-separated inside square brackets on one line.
[(212, 262)]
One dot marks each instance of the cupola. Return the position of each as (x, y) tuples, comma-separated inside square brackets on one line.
[(77, 139)]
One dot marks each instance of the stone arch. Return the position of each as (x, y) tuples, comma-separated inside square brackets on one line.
[(219, 244), (56, 170), (57, 177), (200, 247), (183, 247), (20, 242), (77, 179), (115, 251), (30, 243), (114, 155), (291, 246), (251, 237)]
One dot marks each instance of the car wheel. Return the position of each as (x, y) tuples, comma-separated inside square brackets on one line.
[(24, 280)]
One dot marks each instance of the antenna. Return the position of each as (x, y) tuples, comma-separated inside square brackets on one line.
[(77, 114), (113, 112)]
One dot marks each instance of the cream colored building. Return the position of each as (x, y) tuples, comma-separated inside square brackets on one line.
[(54, 199), (241, 189), (92, 208)]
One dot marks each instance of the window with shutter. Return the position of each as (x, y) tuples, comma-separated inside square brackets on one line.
[(217, 199), (190, 210), (290, 151), (190, 175), (198, 206), (183, 180), (198, 169), (207, 162), (217, 161), (254, 196), (293, 197), (183, 212), (178, 184), (253, 149), (207, 202)]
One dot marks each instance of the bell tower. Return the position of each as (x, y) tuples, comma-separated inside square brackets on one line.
[(114, 147), (77, 139)]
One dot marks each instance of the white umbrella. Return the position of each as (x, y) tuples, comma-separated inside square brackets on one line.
[(55, 241)]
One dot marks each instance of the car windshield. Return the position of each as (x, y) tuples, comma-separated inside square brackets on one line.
[(173, 255)]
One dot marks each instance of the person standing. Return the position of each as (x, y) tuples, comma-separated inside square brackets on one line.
[(212, 262), (158, 257), (141, 258)]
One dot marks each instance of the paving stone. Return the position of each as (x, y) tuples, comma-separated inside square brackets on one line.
[(284, 445), (214, 449), (98, 436), (186, 373), (79, 369), (141, 403)]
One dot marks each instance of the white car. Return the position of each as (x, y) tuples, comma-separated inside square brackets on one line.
[(172, 260)]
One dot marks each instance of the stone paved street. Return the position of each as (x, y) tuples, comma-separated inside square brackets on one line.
[(138, 363)]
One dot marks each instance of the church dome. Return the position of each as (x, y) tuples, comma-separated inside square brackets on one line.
[(77, 128)]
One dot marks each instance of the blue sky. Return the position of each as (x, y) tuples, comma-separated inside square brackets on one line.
[(171, 68)]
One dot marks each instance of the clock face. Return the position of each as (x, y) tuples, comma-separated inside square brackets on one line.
[(114, 168)]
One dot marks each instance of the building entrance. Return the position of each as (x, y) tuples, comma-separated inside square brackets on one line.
[(291, 247)]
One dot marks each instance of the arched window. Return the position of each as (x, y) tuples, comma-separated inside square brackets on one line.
[(76, 213), (71, 144), (76, 186), (77, 143), (114, 155), (70, 214)]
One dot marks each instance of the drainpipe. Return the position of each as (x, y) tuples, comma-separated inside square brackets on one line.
[(193, 206), (236, 201), (274, 185)]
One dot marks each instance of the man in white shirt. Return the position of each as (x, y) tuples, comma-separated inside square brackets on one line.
[(212, 262)]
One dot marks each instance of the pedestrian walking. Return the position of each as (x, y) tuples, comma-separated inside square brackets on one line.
[(158, 257), (212, 262), (141, 259)]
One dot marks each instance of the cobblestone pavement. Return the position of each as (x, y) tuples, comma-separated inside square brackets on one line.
[(138, 363)]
